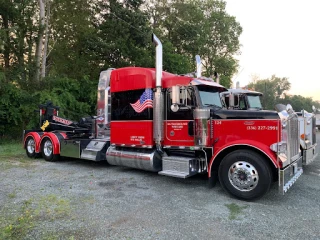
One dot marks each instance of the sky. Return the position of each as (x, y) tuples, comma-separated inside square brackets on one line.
[(282, 38)]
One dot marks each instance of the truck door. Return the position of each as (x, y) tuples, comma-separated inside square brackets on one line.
[(178, 126)]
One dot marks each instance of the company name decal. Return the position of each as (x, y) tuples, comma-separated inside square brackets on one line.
[(61, 120)]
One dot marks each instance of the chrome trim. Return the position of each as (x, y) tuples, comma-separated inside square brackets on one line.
[(198, 63), (146, 159), (47, 148), (31, 146), (243, 176), (158, 104), (158, 44), (104, 103), (309, 155), (289, 175)]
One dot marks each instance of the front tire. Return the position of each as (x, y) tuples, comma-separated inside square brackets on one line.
[(31, 147), (47, 150), (245, 174)]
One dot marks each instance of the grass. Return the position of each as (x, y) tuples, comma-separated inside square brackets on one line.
[(235, 210), (19, 225), (34, 212), (12, 154), (11, 149)]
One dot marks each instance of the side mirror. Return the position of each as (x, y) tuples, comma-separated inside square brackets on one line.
[(236, 101), (175, 94), (231, 100)]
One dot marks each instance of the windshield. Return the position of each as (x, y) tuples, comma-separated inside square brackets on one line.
[(254, 102), (209, 97)]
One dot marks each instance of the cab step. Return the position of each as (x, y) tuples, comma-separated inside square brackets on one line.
[(180, 167)]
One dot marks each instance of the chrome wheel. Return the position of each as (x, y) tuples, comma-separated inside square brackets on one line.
[(47, 148), (31, 146), (243, 176)]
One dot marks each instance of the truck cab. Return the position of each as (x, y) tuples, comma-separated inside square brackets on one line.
[(244, 99)]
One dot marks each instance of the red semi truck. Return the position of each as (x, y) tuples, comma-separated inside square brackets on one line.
[(176, 126)]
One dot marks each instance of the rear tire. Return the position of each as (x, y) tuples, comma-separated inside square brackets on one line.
[(31, 147), (245, 174), (47, 150)]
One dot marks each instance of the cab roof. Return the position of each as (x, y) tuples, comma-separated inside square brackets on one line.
[(131, 78), (242, 91)]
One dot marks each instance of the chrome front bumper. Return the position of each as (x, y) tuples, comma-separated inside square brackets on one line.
[(309, 155), (289, 175)]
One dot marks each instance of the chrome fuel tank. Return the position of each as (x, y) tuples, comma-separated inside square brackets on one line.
[(146, 159)]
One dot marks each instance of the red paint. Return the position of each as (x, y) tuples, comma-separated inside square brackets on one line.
[(36, 137), (54, 139), (132, 78), (259, 134), (137, 133), (64, 135), (176, 133)]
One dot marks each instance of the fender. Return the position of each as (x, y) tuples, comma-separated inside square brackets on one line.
[(55, 137), (249, 143), (36, 137)]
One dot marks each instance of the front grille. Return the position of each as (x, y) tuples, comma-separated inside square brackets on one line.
[(314, 130), (293, 137)]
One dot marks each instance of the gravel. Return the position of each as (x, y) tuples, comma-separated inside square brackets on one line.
[(77, 199)]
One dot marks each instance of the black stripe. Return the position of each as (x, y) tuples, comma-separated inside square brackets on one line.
[(59, 136)]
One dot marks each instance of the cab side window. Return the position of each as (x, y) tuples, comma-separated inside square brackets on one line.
[(242, 102), (186, 98)]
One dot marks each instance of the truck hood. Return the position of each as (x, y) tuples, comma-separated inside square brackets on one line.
[(241, 114)]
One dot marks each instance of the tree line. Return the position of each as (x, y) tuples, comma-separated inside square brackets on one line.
[(275, 90), (56, 49)]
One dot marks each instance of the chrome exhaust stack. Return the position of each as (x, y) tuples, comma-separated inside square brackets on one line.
[(102, 122), (198, 63), (158, 104)]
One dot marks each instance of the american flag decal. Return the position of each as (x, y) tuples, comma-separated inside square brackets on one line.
[(145, 101)]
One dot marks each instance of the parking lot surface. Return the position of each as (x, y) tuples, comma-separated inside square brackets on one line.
[(76, 199)]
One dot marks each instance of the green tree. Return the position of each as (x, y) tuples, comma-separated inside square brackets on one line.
[(72, 40), (201, 27), (273, 90), (299, 102), (124, 34)]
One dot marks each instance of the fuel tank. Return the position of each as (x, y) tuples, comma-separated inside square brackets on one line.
[(146, 159)]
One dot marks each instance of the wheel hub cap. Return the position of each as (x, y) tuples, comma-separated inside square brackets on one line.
[(47, 149), (31, 146), (243, 176)]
